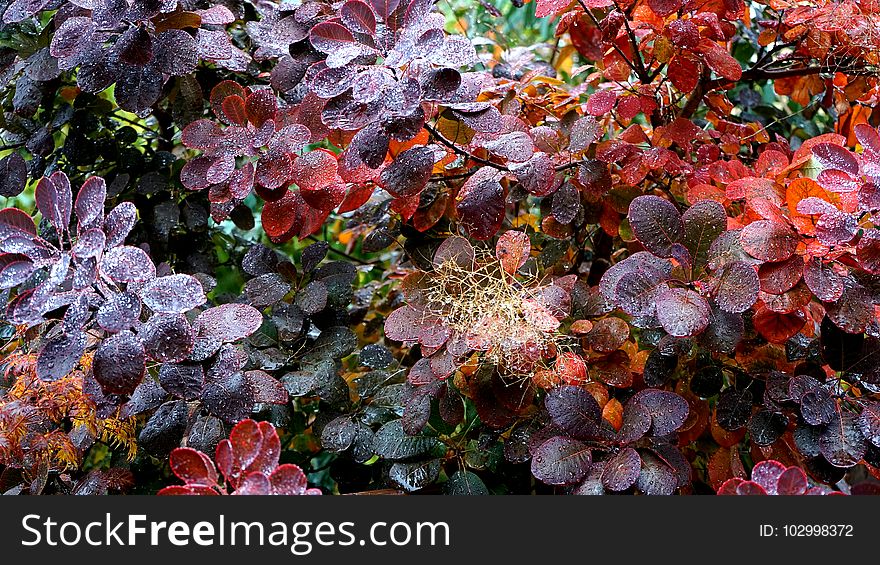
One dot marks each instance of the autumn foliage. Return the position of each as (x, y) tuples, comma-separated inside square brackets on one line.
[(399, 246)]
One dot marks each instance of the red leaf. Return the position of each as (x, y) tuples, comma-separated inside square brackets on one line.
[(246, 438), (664, 8), (512, 250), (233, 109), (193, 467), (270, 450), (684, 72), (720, 61), (768, 241), (571, 368), (288, 479), (777, 327), (601, 103), (261, 106), (316, 169)]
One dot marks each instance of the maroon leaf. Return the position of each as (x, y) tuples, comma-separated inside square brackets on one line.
[(358, 17), (193, 467), (777, 278), (119, 312), (768, 241), (16, 223), (869, 422), (89, 204), (409, 173), (288, 479), (842, 442), (266, 388), (791, 482), (384, 8), (53, 197), (261, 107), (168, 338), (822, 280), (404, 324), (330, 36), (176, 52), (480, 204), (537, 175)]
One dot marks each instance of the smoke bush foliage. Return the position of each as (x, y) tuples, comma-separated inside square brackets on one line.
[(638, 255)]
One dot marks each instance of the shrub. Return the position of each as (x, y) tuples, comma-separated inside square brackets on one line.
[(634, 253)]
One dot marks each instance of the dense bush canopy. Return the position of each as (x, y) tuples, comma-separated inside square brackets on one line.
[(589, 247)]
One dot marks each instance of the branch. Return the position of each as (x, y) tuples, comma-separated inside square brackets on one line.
[(331, 249), (614, 44), (642, 72), (439, 137)]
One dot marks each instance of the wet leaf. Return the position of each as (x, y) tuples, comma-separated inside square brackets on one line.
[(60, 355), (683, 312), (622, 470), (561, 461), (228, 322), (119, 363), (656, 223), (167, 338)]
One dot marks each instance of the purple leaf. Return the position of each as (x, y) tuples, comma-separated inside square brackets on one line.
[(622, 470), (60, 355), (168, 338), (228, 322), (480, 204), (89, 204), (561, 461), (737, 287), (574, 410), (683, 312), (128, 264), (656, 223), (119, 363), (173, 294), (120, 312), (13, 175)]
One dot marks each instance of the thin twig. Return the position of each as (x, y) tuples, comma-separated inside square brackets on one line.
[(433, 131)]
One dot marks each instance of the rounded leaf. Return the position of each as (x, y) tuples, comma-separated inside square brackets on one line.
[(173, 294), (561, 461), (656, 223), (119, 363), (683, 312)]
